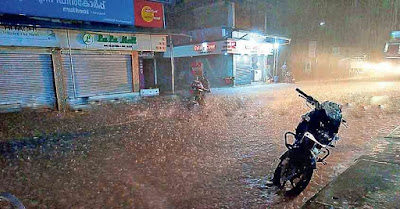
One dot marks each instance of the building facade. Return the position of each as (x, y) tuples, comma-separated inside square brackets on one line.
[(227, 54), (56, 59)]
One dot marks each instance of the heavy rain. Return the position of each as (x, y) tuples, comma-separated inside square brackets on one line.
[(184, 104)]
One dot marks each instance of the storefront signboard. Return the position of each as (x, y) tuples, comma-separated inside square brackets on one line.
[(29, 36), (42, 37), (205, 47), (248, 47), (117, 41), (198, 49), (107, 11)]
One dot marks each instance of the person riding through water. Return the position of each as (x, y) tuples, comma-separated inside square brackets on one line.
[(198, 84), (198, 89)]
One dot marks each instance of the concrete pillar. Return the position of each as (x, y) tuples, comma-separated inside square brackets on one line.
[(155, 71), (234, 59), (59, 81), (135, 71)]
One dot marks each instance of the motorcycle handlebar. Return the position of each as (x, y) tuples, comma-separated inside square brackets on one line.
[(301, 92), (309, 99)]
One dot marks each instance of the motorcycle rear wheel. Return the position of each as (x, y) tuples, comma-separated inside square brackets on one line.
[(292, 179)]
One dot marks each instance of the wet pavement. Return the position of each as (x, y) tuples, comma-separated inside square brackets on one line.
[(372, 182), (159, 154)]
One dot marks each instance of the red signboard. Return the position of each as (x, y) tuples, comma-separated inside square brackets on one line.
[(149, 14), (231, 44), (197, 68), (197, 64), (205, 47)]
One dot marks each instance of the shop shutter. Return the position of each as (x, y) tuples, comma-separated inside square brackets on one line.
[(26, 80), (243, 70), (98, 74)]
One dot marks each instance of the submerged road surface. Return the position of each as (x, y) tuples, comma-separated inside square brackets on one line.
[(158, 154)]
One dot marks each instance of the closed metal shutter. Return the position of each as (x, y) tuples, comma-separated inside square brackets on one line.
[(98, 74), (243, 70), (26, 80)]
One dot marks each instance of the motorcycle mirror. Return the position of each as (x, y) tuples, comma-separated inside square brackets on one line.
[(344, 122)]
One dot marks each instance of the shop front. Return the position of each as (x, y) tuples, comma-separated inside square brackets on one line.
[(41, 68), (26, 78), (250, 61), (224, 63), (211, 57), (26, 68), (109, 65)]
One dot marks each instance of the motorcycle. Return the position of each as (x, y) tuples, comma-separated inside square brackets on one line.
[(315, 134)]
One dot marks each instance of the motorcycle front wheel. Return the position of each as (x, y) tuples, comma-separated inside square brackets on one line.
[(8, 200), (291, 177), (200, 99)]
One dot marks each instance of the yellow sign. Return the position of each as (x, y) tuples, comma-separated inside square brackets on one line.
[(147, 14)]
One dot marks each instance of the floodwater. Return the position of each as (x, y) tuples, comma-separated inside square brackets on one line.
[(159, 154)]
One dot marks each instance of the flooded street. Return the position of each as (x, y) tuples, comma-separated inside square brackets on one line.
[(159, 154)]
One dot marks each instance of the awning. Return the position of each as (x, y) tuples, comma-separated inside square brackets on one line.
[(260, 37)]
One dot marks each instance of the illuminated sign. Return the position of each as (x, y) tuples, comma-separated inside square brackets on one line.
[(205, 47), (248, 47)]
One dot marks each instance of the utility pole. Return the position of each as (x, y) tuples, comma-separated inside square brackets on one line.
[(171, 47), (274, 64), (265, 21), (276, 55)]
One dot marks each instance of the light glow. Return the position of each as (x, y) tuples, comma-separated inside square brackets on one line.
[(381, 69)]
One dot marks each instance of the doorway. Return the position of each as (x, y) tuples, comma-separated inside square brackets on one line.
[(149, 74)]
